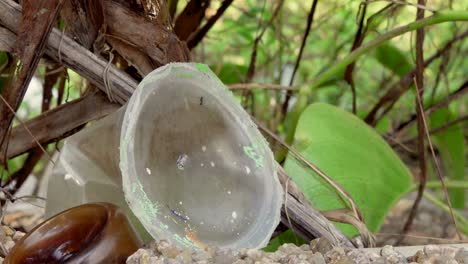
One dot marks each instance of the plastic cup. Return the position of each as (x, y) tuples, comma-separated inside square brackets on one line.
[(195, 169)]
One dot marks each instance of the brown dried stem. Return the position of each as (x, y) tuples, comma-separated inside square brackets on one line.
[(419, 81), (463, 89), (197, 36), (358, 38), (310, 19)]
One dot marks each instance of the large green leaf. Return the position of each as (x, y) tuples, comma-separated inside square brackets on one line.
[(451, 145), (355, 156)]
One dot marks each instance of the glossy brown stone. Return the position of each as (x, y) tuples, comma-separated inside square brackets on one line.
[(90, 233)]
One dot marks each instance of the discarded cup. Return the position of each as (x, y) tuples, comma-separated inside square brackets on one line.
[(194, 168)]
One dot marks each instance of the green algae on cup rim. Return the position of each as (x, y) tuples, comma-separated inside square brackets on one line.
[(195, 169)]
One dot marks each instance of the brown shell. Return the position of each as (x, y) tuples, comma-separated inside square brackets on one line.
[(90, 233)]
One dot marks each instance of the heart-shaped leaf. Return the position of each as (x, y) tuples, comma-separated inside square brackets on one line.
[(352, 154)]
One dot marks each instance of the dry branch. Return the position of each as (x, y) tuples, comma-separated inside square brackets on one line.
[(190, 18), (37, 20), (197, 36), (310, 19), (463, 89), (74, 56), (419, 81), (297, 210), (7, 40), (358, 39), (58, 123), (63, 120)]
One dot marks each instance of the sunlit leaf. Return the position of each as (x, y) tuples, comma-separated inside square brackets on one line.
[(355, 156)]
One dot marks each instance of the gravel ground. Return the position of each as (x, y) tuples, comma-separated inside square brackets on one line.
[(432, 225), (318, 252)]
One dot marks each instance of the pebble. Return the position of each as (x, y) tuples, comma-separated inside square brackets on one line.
[(462, 256), (317, 258), (320, 245), (8, 231), (18, 235), (9, 245)]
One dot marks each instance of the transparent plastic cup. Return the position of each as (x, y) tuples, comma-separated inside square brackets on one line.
[(194, 168)]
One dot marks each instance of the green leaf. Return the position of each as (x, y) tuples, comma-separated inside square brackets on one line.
[(352, 154), (393, 59), (287, 236), (451, 145)]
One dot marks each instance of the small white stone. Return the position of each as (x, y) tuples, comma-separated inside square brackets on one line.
[(9, 245), (148, 171), (203, 148), (234, 214), (212, 164), (247, 169), (18, 235)]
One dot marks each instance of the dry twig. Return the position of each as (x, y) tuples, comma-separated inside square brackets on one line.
[(419, 82), (310, 19)]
